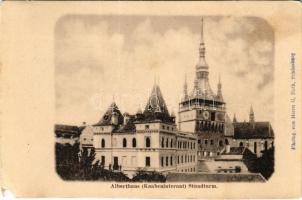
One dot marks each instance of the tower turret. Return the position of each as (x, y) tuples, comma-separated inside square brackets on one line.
[(252, 115), (234, 118), (219, 91), (201, 84)]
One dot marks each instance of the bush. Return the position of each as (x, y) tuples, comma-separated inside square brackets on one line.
[(144, 176)]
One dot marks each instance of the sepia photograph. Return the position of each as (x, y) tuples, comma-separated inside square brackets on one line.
[(164, 99)]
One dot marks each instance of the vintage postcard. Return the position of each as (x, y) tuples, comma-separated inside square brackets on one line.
[(151, 99)]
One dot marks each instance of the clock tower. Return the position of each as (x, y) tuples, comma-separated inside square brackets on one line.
[(202, 112)]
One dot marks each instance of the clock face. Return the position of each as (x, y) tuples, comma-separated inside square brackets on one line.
[(206, 114)]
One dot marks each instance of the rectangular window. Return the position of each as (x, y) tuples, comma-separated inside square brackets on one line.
[(212, 116), (205, 142), (148, 161), (212, 142), (147, 126), (162, 161)]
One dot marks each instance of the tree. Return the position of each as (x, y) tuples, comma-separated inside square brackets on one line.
[(70, 166), (264, 164)]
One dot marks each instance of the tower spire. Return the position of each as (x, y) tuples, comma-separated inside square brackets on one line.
[(234, 118), (201, 44), (252, 115), (219, 90)]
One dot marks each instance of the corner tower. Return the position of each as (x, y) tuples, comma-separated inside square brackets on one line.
[(203, 111)]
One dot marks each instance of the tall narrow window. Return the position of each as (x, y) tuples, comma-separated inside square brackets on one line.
[(163, 142), (265, 145), (171, 144), (148, 162), (171, 160), (167, 161), (124, 142), (212, 142), (133, 142), (148, 142), (103, 143), (167, 142), (162, 161), (255, 147)]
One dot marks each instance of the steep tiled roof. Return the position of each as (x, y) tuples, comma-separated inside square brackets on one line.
[(252, 130), (106, 119), (156, 108), (128, 127)]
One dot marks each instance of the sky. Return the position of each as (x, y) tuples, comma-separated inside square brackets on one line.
[(100, 59)]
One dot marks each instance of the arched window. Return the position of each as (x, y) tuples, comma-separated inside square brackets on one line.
[(226, 142), (167, 161), (171, 161), (148, 142), (265, 145), (171, 144), (167, 143), (103, 143), (241, 144), (163, 142), (133, 142), (255, 147), (162, 161), (124, 142)]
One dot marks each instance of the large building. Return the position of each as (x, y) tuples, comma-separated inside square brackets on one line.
[(203, 140)]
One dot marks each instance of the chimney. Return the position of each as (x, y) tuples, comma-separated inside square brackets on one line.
[(114, 118), (126, 118)]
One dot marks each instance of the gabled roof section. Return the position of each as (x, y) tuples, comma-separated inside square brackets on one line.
[(253, 130), (128, 127), (106, 118)]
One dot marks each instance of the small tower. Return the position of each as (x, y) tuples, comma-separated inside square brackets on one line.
[(252, 115), (234, 118), (219, 91)]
